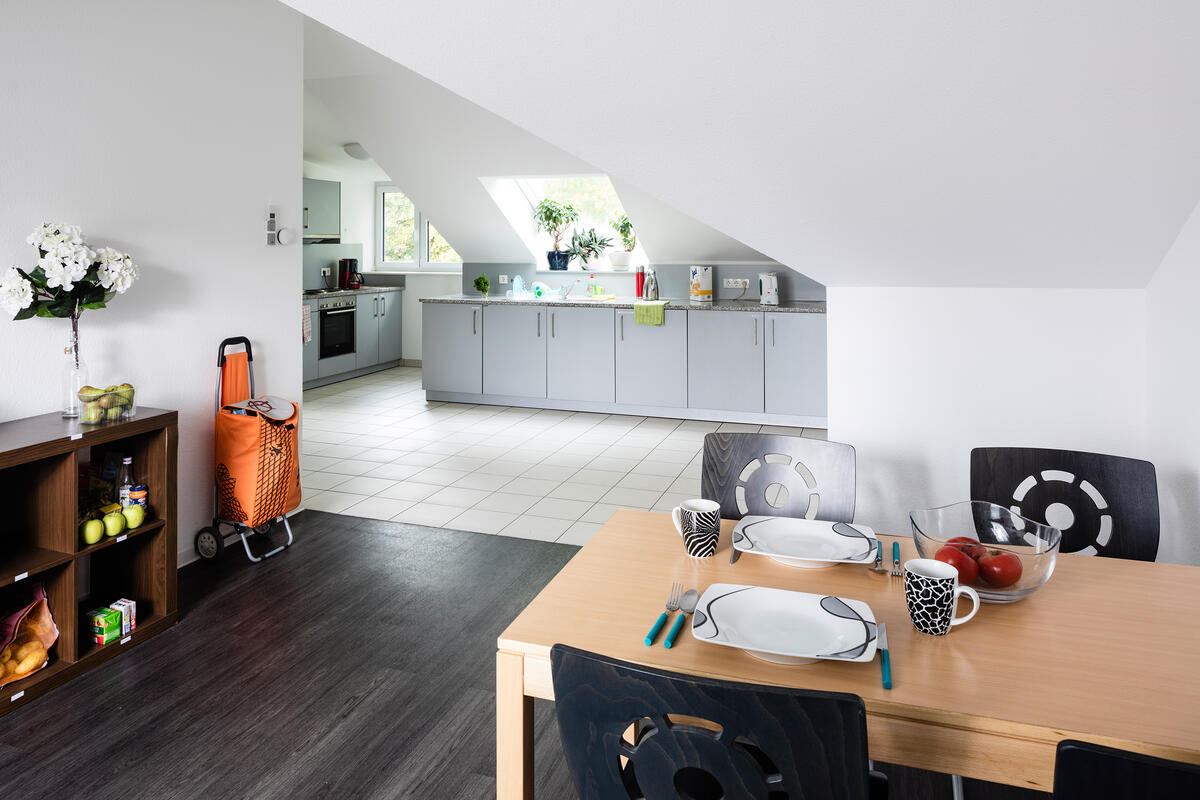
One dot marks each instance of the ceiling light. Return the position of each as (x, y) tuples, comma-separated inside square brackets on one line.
[(356, 151)]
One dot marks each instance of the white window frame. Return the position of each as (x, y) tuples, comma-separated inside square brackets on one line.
[(421, 246)]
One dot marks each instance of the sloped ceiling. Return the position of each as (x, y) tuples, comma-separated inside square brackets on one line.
[(936, 143), (435, 146)]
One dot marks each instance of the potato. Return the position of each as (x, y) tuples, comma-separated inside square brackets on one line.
[(27, 648), (6, 654), (9, 667), (31, 661)]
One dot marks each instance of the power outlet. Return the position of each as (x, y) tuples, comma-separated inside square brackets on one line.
[(326, 272), (736, 283), (503, 279)]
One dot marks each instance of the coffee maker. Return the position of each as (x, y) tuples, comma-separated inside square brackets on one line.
[(348, 273)]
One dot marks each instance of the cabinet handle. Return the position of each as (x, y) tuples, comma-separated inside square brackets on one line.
[(551, 324), (306, 219), (756, 331), (772, 333), (377, 306), (474, 331), (621, 319), (539, 316), (383, 305)]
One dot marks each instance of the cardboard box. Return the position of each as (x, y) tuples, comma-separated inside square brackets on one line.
[(105, 623), (128, 611)]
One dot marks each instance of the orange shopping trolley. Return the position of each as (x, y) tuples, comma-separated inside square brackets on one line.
[(257, 457)]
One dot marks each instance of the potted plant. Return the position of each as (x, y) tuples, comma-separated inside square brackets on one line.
[(587, 246), (554, 218), (482, 284), (69, 278), (624, 228)]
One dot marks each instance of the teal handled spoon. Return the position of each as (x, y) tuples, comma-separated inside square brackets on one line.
[(687, 606)]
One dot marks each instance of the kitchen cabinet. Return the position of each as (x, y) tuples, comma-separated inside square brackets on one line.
[(514, 350), (391, 327), (312, 347), (322, 209), (580, 354), (366, 331), (795, 364), (725, 360), (652, 360), (452, 348)]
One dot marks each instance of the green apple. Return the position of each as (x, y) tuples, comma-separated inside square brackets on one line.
[(114, 523), (92, 531), (134, 515), (92, 413)]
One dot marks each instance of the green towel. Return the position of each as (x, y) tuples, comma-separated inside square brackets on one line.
[(649, 312)]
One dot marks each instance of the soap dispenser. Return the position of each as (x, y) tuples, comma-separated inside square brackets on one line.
[(591, 287), (518, 287)]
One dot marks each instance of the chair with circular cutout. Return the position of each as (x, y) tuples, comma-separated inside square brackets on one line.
[(1104, 505), (641, 733), (777, 475)]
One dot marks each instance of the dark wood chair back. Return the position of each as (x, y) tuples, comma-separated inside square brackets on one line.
[(704, 739), (780, 476), (1084, 771), (1104, 505)]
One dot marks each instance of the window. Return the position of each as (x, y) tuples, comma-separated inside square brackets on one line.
[(405, 240)]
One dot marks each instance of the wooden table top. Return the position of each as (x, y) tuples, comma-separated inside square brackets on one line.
[(1108, 650)]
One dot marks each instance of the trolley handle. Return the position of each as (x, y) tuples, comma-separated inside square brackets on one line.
[(242, 340)]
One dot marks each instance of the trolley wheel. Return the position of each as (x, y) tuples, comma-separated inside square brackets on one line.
[(263, 530), (209, 543)]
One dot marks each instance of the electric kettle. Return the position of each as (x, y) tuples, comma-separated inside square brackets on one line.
[(650, 287), (768, 288)]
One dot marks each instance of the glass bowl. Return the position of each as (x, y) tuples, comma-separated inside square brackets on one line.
[(106, 405), (996, 528)]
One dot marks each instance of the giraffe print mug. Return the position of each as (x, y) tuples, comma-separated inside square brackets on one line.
[(932, 591)]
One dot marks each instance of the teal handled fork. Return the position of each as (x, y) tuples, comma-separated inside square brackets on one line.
[(672, 605)]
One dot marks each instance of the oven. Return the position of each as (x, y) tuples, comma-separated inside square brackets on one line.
[(336, 326)]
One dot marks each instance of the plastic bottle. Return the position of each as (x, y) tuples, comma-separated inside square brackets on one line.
[(125, 482), (591, 288)]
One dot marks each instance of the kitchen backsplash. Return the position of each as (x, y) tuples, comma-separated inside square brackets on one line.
[(672, 280), (317, 256)]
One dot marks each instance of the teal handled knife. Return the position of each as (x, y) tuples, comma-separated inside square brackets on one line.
[(885, 656)]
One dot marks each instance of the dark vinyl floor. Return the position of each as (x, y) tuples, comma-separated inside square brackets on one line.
[(358, 664)]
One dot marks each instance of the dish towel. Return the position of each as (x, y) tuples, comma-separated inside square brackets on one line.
[(306, 323), (649, 312)]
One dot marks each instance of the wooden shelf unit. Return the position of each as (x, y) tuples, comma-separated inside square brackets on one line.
[(39, 538)]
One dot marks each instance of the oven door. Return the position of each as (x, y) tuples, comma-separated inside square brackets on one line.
[(337, 332)]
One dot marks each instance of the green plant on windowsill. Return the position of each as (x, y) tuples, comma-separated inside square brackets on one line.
[(482, 284), (554, 218), (588, 246), (624, 228)]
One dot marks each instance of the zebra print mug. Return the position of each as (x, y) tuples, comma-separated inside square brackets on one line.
[(699, 523), (932, 591)]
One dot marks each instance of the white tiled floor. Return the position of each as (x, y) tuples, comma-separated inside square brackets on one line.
[(373, 447)]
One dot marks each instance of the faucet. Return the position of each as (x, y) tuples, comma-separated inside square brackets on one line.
[(563, 291)]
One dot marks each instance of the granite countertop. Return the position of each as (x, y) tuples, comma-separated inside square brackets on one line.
[(799, 306), (352, 292)]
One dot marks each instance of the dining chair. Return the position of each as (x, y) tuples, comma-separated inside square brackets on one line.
[(1084, 771), (777, 475), (1104, 505), (638, 732)]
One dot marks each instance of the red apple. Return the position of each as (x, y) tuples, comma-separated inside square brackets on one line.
[(999, 568), (968, 570), (970, 546)]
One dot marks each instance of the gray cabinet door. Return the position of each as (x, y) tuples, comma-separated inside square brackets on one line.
[(651, 361), (452, 347), (312, 348), (391, 326), (796, 362), (580, 354), (366, 331), (514, 350), (725, 360), (322, 208)]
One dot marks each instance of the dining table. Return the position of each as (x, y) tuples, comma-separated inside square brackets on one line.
[(1107, 651)]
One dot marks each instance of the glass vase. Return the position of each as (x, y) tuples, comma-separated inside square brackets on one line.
[(74, 378)]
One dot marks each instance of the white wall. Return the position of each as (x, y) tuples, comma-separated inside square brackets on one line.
[(1173, 337), (162, 129), (917, 377)]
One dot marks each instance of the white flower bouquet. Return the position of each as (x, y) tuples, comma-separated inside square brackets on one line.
[(69, 276)]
